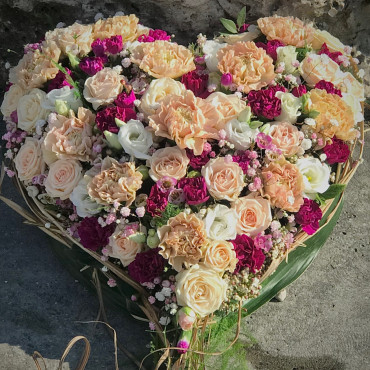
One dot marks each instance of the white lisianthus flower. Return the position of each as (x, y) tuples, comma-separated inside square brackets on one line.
[(290, 106), (66, 95), (135, 139), (30, 109), (210, 49), (355, 105), (85, 206), (220, 223), (240, 134), (315, 175), (287, 55)]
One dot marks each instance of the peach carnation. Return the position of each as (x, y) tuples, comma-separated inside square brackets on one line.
[(289, 30), (182, 240), (116, 182), (171, 162), (125, 25), (283, 185), (220, 256), (286, 137), (254, 214), (335, 116), (250, 67), (163, 59), (186, 119)]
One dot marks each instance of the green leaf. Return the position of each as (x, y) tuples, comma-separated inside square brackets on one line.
[(73, 60), (229, 25), (333, 191), (298, 262), (255, 124), (241, 17), (313, 114)]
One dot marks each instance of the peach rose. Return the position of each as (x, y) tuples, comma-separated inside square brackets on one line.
[(289, 30), (286, 137), (157, 90), (28, 161), (71, 138), (170, 161), (188, 120), (34, 69), (283, 185), (103, 87), (124, 25), (228, 106), (324, 37), (251, 68), (200, 288), (220, 256), (75, 39), (116, 182), (224, 180), (315, 68), (64, 175), (254, 214), (123, 247), (182, 240), (163, 59), (336, 117), (11, 98)]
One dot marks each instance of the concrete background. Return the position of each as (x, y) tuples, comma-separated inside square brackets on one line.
[(323, 324)]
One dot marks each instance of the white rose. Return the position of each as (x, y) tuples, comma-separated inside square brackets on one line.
[(135, 139), (30, 110), (287, 55), (240, 134), (200, 288), (11, 98), (85, 206), (66, 95), (290, 106), (158, 89), (210, 49), (220, 223), (315, 175)]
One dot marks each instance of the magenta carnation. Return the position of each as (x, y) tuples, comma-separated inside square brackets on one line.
[(197, 83), (226, 79), (154, 35), (92, 65), (197, 161), (309, 216), (114, 44), (98, 47), (195, 190), (332, 55), (59, 81), (125, 99), (264, 103), (105, 118), (92, 235), (243, 28), (329, 87), (337, 151), (156, 202), (147, 266), (299, 90), (247, 254), (270, 47), (243, 160)]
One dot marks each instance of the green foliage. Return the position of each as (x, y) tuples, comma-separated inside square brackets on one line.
[(302, 52), (171, 210), (240, 20), (333, 191), (69, 78), (229, 25), (313, 114)]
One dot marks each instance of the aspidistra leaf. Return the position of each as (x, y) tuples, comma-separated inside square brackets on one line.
[(229, 25)]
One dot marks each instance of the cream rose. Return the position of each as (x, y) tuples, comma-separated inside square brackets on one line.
[(102, 88), (287, 55), (224, 180), (29, 162), (220, 256), (30, 110), (220, 223), (349, 85), (157, 90), (290, 106), (11, 98), (171, 161), (240, 134), (286, 137), (200, 288), (321, 37), (123, 247), (254, 214), (135, 139), (63, 177)]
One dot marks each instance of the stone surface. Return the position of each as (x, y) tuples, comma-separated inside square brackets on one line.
[(322, 325)]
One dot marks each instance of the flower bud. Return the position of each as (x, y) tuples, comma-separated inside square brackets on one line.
[(144, 171), (152, 239), (62, 107), (184, 341), (186, 318), (112, 140)]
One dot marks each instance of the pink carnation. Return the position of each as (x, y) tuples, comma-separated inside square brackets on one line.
[(270, 47), (105, 118), (309, 216), (299, 90), (113, 45), (195, 190), (156, 202), (98, 47), (332, 55), (197, 83), (263, 141), (197, 161), (59, 81), (92, 65), (243, 160), (329, 87), (154, 35), (125, 99), (337, 151)]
